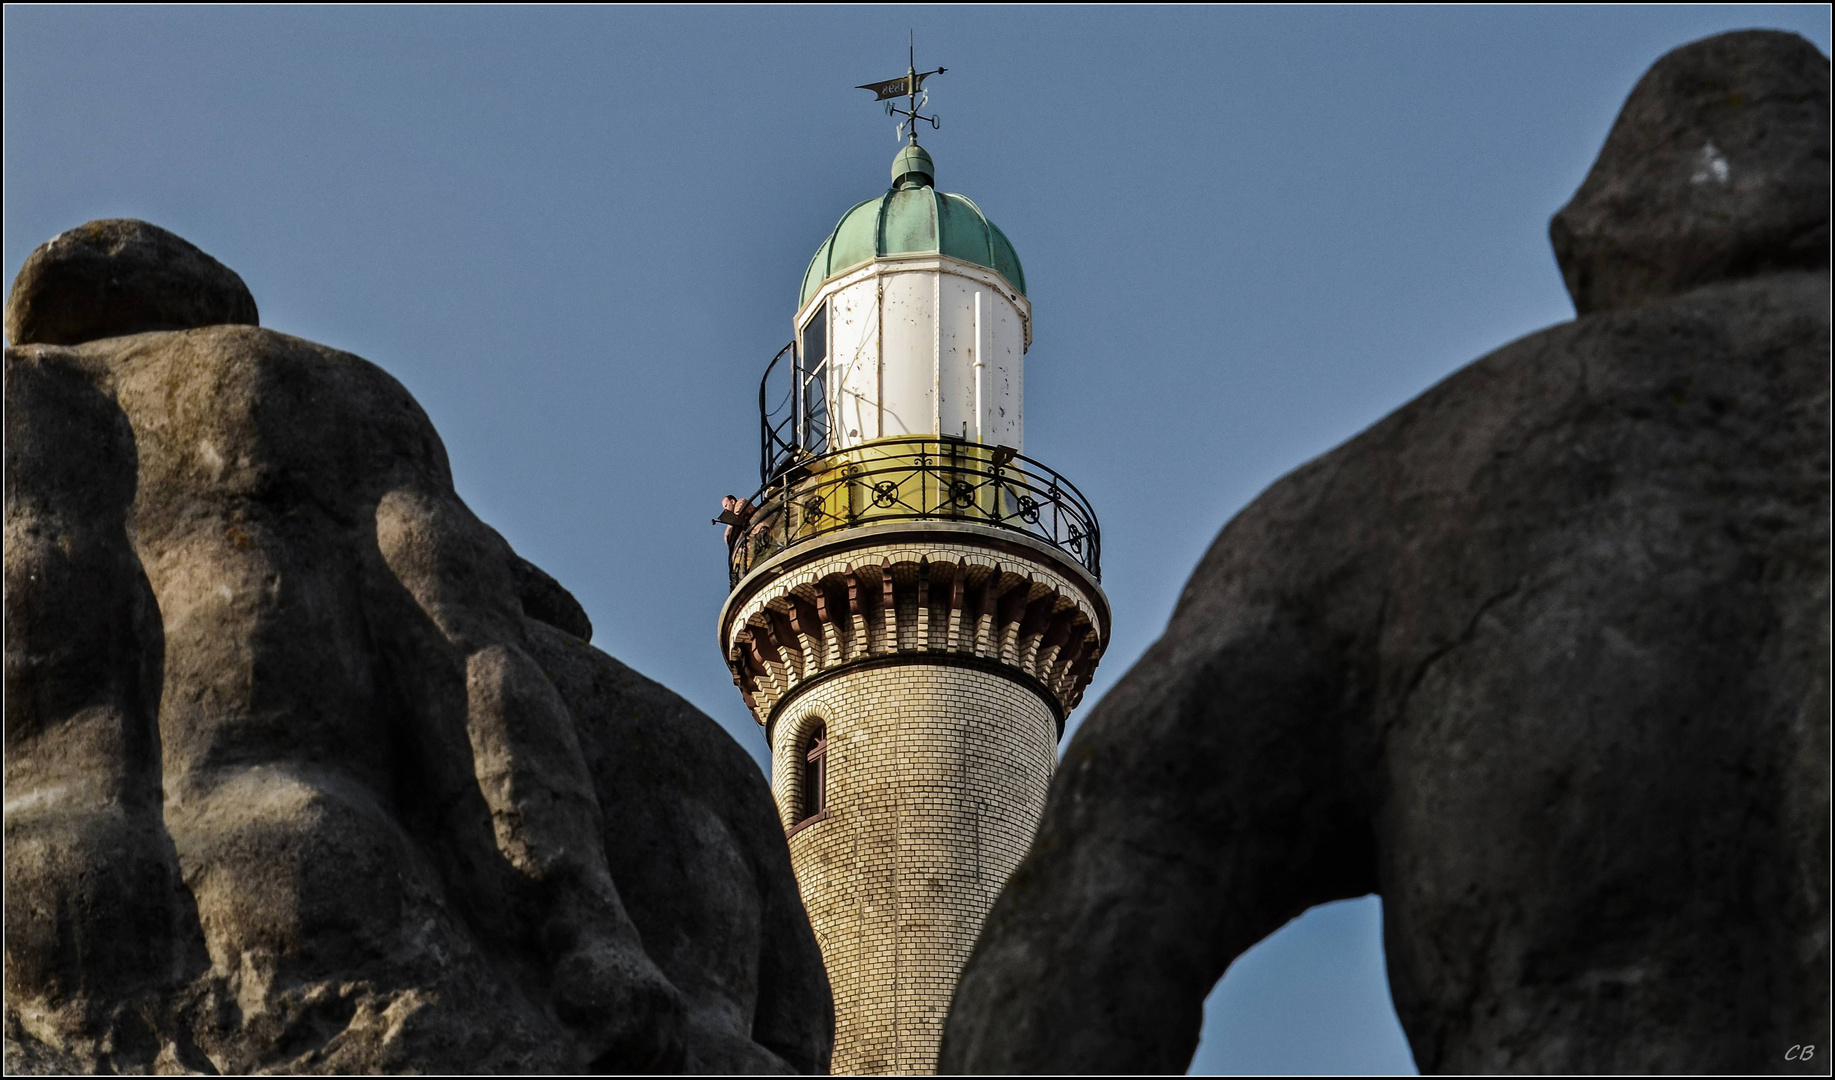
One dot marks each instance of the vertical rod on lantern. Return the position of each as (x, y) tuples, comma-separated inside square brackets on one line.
[(936, 350), (981, 434)]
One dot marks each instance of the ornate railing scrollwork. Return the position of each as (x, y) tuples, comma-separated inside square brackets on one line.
[(915, 479)]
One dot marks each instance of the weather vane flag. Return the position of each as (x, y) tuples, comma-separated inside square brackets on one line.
[(909, 86)]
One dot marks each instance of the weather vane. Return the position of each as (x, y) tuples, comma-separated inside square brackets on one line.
[(908, 86)]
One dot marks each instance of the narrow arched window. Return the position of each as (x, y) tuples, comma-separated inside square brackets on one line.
[(815, 773)]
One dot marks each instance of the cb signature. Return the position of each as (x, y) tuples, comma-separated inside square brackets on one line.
[(1801, 1052)]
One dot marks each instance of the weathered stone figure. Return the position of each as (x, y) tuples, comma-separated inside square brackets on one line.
[(306, 769), (1542, 658)]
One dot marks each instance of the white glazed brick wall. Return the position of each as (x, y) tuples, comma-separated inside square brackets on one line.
[(936, 780)]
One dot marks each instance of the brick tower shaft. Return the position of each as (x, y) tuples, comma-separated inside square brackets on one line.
[(928, 667)]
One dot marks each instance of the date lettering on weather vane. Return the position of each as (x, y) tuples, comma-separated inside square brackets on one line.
[(909, 86)]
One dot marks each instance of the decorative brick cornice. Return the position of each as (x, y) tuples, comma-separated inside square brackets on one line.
[(946, 599)]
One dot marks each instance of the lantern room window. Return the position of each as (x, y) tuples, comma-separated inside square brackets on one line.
[(812, 380)]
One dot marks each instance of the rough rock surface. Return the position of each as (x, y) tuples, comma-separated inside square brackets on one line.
[(1541, 658), (1718, 168), (121, 276), (307, 770)]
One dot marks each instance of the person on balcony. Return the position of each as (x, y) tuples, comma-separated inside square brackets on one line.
[(734, 514)]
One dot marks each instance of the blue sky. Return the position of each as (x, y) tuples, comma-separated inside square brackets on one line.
[(576, 236)]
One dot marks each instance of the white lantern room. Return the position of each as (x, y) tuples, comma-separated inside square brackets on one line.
[(913, 322)]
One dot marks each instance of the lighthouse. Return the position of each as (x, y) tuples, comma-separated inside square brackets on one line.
[(915, 603)]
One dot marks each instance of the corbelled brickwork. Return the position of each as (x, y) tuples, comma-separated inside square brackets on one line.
[(939, 664), (941, 596), (936, 779)]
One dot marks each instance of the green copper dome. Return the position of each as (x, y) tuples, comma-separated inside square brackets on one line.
[(913, 217)]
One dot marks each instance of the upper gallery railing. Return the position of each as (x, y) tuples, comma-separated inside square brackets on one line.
[(914, 479)]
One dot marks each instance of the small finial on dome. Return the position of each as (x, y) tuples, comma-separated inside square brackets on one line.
[(913, 168)]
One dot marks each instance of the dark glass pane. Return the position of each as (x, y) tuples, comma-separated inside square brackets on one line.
[(815, 773), (814, 375)]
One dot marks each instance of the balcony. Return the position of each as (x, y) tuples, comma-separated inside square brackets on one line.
[(913, 479)]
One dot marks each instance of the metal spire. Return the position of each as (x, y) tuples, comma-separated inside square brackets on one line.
[(908, 86)]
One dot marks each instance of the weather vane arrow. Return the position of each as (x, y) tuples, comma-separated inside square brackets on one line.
[(907, 86)]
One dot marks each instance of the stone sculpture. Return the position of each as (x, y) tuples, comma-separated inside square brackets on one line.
[(1541, 658), (306, 769)]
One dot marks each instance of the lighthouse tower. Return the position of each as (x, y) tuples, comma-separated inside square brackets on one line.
[(915, 605)]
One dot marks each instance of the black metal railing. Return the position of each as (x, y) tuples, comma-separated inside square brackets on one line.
[(914, 479), (778, 437)]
